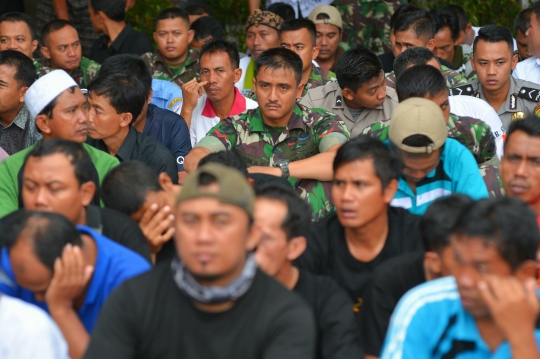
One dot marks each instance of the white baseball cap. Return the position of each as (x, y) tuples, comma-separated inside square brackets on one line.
[(46, 89)]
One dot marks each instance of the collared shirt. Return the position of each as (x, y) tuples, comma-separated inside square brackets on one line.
[(203, 117), (453, 78), (330, 98), (169, 129), (114, 264), (158, 67), (461, 62), (308, 133), (20, 133), (430, 322), (85, 73), (528, 70), (139, 147), (129, 41), (457, 172), (167, 95)]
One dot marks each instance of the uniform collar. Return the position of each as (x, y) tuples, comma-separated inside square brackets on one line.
[(192, 57), (256, 123), (239, 105), (124, 152)]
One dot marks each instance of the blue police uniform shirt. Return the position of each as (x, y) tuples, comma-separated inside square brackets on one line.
[(430, 322), (167, 95), (114, 265), (170, 130), (457, 172)]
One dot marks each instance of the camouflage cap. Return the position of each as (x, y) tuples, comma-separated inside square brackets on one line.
[(262, 17), (334, 17), (418, 116), (234, 187)]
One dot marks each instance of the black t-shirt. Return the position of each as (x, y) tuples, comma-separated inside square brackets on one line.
[(119, 228), (148, 317), (338, 335), (129, 41), (388, 284), (327, 252)]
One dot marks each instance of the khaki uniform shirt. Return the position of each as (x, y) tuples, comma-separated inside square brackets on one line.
[(330, 98)]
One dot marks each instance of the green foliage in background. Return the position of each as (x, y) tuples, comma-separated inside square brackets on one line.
[(143, 15)]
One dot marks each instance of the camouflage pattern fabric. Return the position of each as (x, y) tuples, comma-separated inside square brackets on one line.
[(472, 133), (262, 17), (364, 20), (83, 75), (160, 71), (453, 78), (318, 77), (300, 139)]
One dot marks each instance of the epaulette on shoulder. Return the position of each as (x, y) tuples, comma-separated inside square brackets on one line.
[(529, 93), (463, 90)]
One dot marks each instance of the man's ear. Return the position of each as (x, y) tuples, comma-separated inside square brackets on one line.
[(190, 35), (42, 122), (88, 189), (433, 263), (165, 182), (472, 63), (390, 191), (45, 52), (430, 45), (22, 93), (526, 270), (300, 90), (155, 36), (126, 119), (237, 75), (515, 60), (297, 246), (254, 82), (254, 237), (315, 52), (35, 44), (348, 93)]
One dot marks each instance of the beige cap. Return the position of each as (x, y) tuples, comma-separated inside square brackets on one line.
[(332, 12), (418, 116)]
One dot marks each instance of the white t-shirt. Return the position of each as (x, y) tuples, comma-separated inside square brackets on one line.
[(27, 332), (480, 109), (204, 117), (528, 70)]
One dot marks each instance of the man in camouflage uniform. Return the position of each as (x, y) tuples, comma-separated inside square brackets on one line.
[(173, 60), (473, 133), (364, 20), (62, 50), (281, 138)]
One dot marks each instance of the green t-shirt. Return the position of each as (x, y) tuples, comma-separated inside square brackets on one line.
[(10, 167)]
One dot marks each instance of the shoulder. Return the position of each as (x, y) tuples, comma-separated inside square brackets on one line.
[(527, 90), (149, 57), (85, 62), (391, 94), (16, 160), (468, 89), (98, 155), (278, 298), (403, 218), (322, 92), (526, 64)]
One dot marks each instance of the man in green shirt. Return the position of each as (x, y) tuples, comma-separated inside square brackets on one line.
[(173, 61), (60, 110)]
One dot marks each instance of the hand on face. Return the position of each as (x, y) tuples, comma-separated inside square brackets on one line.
[(192, 91), (157, 226)]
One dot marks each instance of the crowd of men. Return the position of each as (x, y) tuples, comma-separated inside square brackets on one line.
[(302, 200)]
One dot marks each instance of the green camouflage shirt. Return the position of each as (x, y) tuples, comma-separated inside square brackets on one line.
[(453, 78), (308, 133), (160, 71), (474, 134), (83, 75)]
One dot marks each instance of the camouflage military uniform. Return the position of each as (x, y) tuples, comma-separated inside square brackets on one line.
[(364, 20), (453, 78), (40, 69), (83, 75), (474, 134), (462, 63), (160, 71), (309, 132)]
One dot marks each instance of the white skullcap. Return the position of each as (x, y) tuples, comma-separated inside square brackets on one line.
[(46, 89)]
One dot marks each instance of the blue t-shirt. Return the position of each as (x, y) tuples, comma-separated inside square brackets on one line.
[(167, 95), (457, 172), (170, 130), (114, 265), (430, 322)]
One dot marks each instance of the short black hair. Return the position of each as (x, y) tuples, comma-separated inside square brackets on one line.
[(173, 13), (20, 16), (114, 9), (230, 159), (205, 27), (221, 45), (508, 223), (418, 22), (438, 222), (299, 24), (412, 56), (443, 18), (523, 20), (285, 11), (536, 8), (386, 160), (280, 58), (80, 159), (401, 10), (53, 26), (48, 232), (420, 81), (197, 9), (48, 110), (463, 18), (126, 93), (26, 72), (530, 125), (297, 221), (492, 34), (128, 64), (356, 67), (126, 186)]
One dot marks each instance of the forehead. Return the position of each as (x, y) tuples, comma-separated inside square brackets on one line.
[(270, 211), (276, 75), (7, 72), (357, 169), (487, 49), (68, 98), (55, 165), (261, 28), (407, 36), (375, 81), (208, 206), (301, 35), (12, 28), (444, 34), (214, 59), (326, 28), (520, 142), (66, 31), (475, 247), (172, 24)]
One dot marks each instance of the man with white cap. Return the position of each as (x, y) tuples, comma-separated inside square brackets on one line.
[(61, 111), (433, 165)]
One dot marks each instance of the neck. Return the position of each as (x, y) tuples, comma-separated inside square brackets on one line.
[(350, 104), (490, 332), (178, 60), (223, 107), (288, 276), (497, 97), (113, 143), (327, 63), (7, 117), (113, 29), (366, 242), (89, 252), (141, 120), (82, 217), (280, 122), (306, 74)]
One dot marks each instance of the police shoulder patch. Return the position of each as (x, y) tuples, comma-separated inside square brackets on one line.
[(529, 93), (466, 90)]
